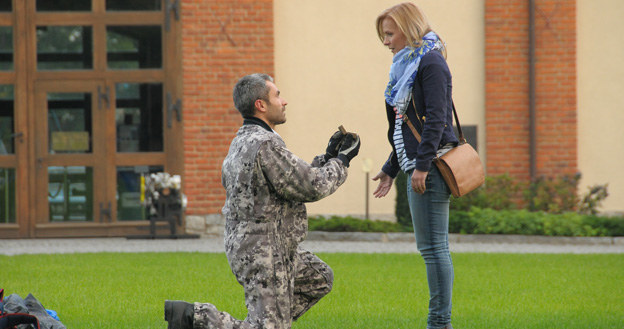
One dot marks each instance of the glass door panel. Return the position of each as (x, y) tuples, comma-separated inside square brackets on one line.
[(125, 5), (69, 123), (139, 117), (7, 195), (134, 47), (6, 48), (7, 120), (64, 47), (70, 193), (130, 191), (63, 5), (6, 5)]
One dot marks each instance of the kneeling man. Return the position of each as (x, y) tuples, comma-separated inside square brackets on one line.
[(266, 220)]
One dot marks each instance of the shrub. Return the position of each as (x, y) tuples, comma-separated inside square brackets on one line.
[(352, 224), (401, 210), (592, 200), (490, 221), (524, 222), (554, 195), (497, 193)]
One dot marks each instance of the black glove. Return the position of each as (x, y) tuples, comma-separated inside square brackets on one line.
[(349, 148), (333, 146)]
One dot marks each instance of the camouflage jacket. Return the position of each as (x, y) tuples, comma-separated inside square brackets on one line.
[(267, 186)]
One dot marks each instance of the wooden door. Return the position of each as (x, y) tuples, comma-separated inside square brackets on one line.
[(71, 179)]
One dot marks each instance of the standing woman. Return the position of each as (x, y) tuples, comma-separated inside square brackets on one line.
[(420, 88)]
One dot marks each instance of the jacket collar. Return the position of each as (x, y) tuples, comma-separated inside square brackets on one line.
[(257, 121)]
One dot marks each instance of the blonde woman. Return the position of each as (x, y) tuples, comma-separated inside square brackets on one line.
[(420, 89)]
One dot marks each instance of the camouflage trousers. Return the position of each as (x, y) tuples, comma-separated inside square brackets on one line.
[(276, 293)]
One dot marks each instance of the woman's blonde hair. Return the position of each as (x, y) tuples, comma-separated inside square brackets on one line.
[(411, 21)]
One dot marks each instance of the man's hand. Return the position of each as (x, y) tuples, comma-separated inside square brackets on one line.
[(349, 148), (385, 184), (418, 181), (333, 146)]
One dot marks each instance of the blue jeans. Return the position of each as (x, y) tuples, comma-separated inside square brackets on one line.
[(430, 217)]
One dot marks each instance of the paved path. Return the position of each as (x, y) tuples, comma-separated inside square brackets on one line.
[(323, 242)]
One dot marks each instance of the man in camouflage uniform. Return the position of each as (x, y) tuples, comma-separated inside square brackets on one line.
[(266, 219)]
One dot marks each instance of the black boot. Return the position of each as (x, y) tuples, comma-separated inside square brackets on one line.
[(179, 314)]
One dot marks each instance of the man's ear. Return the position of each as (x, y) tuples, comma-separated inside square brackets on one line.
[(260, 105)]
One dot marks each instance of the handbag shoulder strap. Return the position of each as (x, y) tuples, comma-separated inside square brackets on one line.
[(406, 119), (462, 140)]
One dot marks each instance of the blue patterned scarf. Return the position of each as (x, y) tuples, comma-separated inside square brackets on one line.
[(403, 71)]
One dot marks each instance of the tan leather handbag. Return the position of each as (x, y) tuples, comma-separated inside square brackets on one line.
[(461, 166)]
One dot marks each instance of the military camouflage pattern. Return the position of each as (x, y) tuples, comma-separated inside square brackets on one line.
[(266, 220)]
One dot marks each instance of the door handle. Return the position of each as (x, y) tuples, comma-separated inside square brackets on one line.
[(18, 136), (103, 96)]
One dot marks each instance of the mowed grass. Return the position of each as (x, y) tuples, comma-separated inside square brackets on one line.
[(118, 290)]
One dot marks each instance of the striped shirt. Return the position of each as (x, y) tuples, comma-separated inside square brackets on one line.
[(405, 163)]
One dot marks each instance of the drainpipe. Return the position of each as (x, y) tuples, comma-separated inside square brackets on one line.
[(532, 120)]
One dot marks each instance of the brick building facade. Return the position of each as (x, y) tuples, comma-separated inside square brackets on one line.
[(507, 87), (224, 40)]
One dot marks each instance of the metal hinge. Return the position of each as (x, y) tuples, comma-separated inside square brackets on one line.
[(105, 211), (103, 96), (171, 106), (171, 5)]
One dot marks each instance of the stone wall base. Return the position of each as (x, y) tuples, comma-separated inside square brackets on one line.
[(208, 225)]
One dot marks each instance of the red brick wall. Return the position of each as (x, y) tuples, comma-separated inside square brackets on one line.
[(507, 87), (222, 41)]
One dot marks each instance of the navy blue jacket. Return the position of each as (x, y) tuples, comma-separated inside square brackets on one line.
[(432, 94)]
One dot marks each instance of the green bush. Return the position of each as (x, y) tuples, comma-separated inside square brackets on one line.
[(555, 195), (352, 224), (490, 221), (497, 193), (524, 222), (402, 212)]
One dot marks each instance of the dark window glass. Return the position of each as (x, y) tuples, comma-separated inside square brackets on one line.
[(125, 5), (69, 123), (130, 184), (7, 119), (6, 5), (6, 48), (470, 133), (64, 5), (134, 47), (70, 194), (139, 117), (7, 195), (64, 47)]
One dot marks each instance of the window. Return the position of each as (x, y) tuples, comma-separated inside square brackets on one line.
[(64, 5), (7, 119), (6, 48), (125, 5), (7, 195), (64, 47), (134, 47)]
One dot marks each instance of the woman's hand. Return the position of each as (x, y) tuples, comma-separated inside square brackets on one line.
[(385, 184), (418, 181)]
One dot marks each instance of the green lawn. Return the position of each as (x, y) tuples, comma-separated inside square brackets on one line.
[(520, 291)]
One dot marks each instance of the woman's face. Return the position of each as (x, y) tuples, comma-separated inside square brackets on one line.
[(394, 39)]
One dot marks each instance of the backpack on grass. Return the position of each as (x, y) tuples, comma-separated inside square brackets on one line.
[(12, 320)]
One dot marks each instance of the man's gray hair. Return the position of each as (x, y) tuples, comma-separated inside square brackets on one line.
[(249, 89)]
